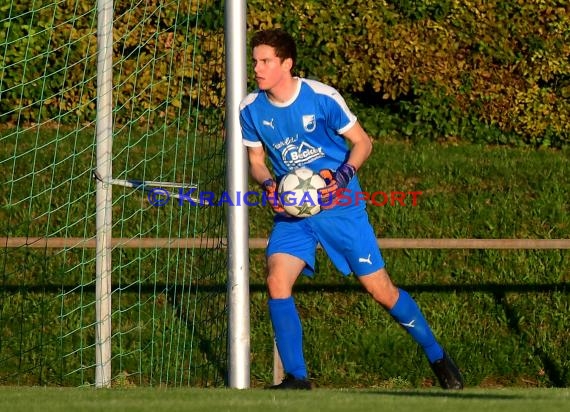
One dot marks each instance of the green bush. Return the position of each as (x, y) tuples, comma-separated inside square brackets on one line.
[(481, 70), (164, 63)]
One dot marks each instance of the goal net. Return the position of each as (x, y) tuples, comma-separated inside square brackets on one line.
[(168, 289)]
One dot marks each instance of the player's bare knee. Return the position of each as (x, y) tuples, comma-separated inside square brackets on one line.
[(381, 289), (387, 298), (278, 287)]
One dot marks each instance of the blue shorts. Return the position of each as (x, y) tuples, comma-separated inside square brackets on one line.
[(347, 238)]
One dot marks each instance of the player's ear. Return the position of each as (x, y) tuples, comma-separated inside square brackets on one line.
[(287, 64)]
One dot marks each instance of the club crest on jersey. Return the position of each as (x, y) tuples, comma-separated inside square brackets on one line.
[(309, 122)]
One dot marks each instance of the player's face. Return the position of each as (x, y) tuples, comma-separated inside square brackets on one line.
[(269, 70)]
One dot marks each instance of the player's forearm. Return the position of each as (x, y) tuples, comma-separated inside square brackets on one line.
[(361, 145), (259, 172), (257, 167), (359, 153)]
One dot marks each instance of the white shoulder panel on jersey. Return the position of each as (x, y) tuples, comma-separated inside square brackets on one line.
[(321, 88), (249, 99), (324, 89)]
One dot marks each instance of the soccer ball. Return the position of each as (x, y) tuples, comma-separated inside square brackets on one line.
[(298, 192)]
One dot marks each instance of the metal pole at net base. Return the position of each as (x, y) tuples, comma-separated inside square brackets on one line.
[(278, 373)]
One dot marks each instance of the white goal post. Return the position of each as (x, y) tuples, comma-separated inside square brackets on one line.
[(104, 126), (237, 243), (237, 182)]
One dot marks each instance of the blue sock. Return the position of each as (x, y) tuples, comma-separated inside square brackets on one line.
[(288, 335), (408, 314)]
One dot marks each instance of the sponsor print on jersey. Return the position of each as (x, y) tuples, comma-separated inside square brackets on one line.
[(288, 141), (296, 156)]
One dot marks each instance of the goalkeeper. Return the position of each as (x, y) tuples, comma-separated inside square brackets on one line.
[(299, 122)]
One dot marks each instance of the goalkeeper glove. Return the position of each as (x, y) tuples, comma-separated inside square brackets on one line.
[(334, 182), (270, 188)]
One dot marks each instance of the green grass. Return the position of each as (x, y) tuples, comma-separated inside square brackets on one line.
[(491, 308), (501, 313), (468, 191), (219, 400)]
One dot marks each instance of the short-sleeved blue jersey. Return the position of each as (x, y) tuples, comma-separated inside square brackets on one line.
[(307, 131), (304, 131)]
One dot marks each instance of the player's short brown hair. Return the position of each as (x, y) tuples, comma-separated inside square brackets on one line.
[(280, 40)]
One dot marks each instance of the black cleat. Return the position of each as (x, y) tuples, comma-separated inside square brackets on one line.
[(291, 382), (447, 373)]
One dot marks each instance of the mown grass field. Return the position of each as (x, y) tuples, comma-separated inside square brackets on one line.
[(155, 399), (502, 314)]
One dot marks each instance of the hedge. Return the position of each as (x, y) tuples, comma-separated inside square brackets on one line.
[(496, 71)]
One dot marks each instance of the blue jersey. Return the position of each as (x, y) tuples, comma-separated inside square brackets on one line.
[(305, 131)]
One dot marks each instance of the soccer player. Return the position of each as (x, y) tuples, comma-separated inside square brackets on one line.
[(299, 122)]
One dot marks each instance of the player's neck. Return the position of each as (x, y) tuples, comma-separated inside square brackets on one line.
[(284, 91)]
